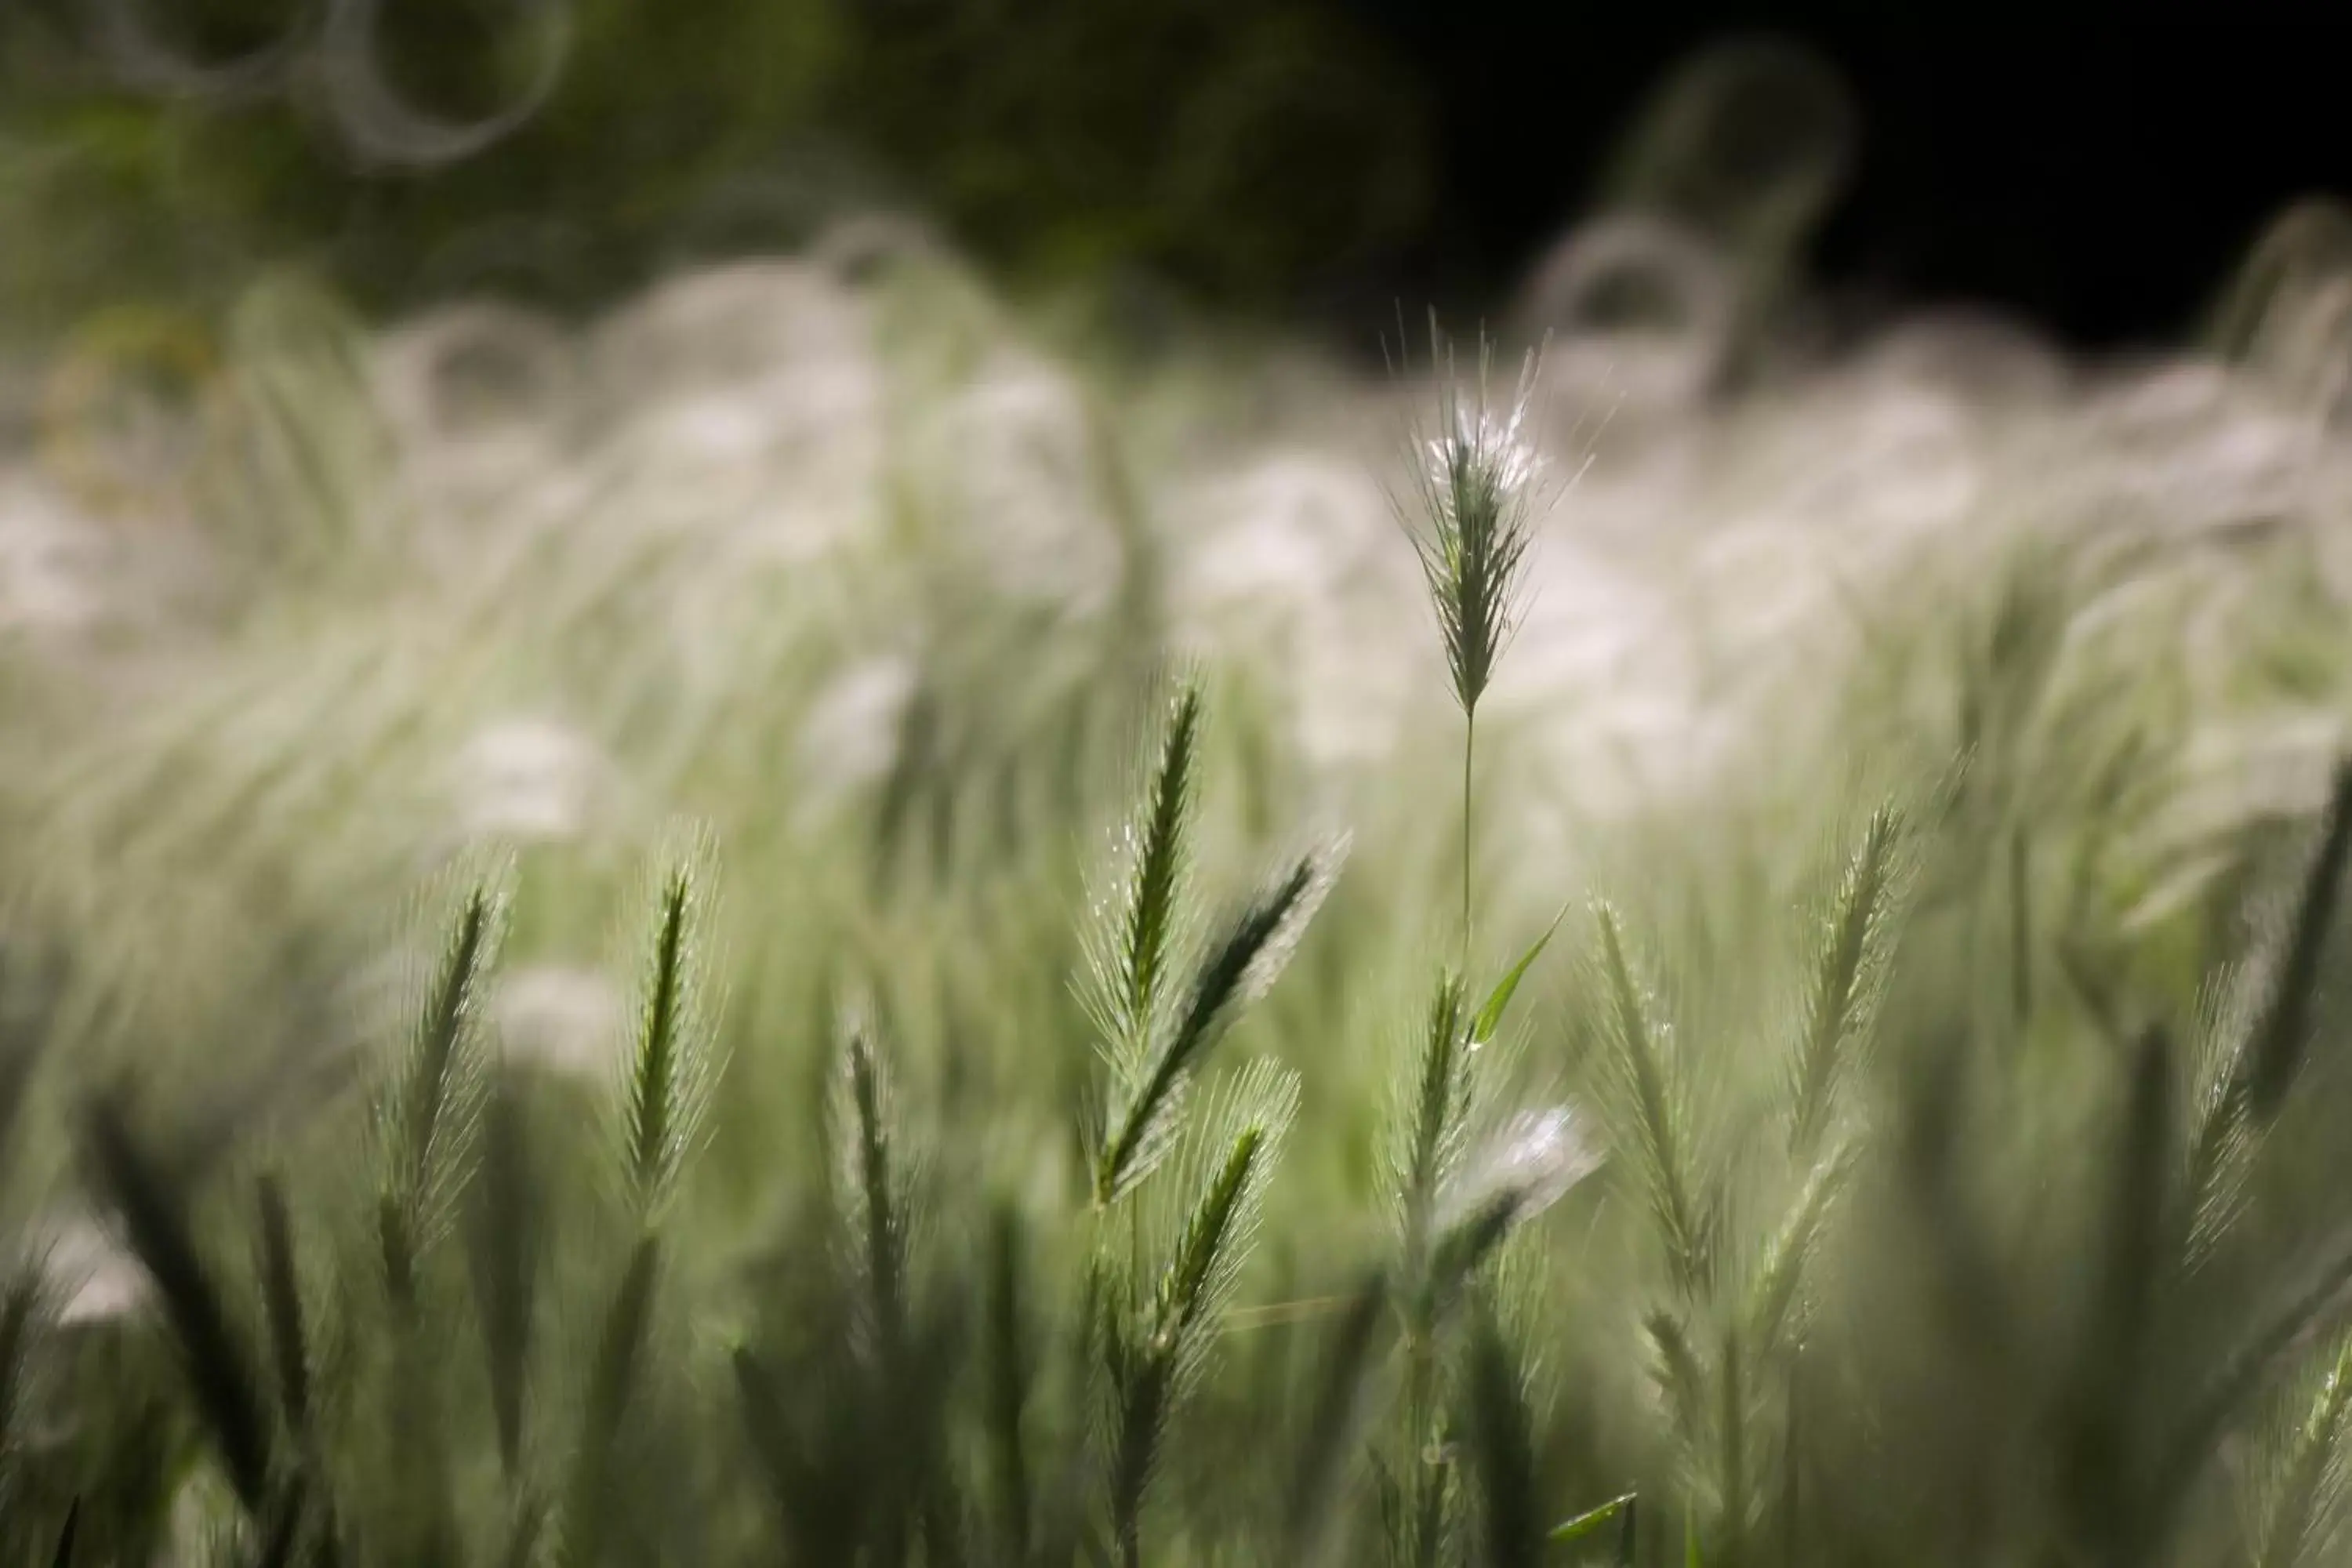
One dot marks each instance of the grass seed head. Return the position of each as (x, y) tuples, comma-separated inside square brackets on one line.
[(1478, 481)]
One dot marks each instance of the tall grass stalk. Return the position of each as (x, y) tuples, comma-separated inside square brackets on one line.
[(1471, 524)]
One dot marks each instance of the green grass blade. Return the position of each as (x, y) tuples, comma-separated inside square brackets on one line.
[(1489, 1017), (508, 1242), (615, 1374), (219, 1367), (1501, 1445), (1591, 1523), (281, 1298)]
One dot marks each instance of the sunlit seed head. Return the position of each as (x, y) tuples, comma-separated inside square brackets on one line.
[(1534, 1159), (1478, 483), (1485, 460)]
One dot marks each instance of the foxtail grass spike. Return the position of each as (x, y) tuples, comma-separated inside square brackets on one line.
[(1139, 1129), (427, 1116), (1773, 1296), (437, 1074), (1437, 1105), (2290, 1521), (1139, 923), (1655, 1108), (1150, 923), (2213, 1183), (656, 1115), (672, 1066), (1678, 1373), (219, 1367), (871, 1185), (1472, 524), (1154, 1363), (1232, 970), (1846, 979), (1209, 1250)]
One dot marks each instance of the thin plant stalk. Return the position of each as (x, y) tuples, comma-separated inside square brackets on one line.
[(1469, 751)]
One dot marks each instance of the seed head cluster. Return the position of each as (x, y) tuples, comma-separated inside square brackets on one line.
[(1472, 523)]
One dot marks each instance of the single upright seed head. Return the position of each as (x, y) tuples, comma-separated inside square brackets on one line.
[(1472, 521)]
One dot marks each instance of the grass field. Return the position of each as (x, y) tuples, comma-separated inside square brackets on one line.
[(833, 921)]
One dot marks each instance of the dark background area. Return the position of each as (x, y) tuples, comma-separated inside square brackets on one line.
[(2094, 170)]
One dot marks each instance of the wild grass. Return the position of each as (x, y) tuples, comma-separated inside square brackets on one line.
[(1915, 1141)]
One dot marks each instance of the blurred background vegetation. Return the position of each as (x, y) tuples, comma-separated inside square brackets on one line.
[(446, 429), (1311, 158), (567, 153)]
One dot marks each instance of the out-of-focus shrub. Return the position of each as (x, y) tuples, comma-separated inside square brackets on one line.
[(567, 150)]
